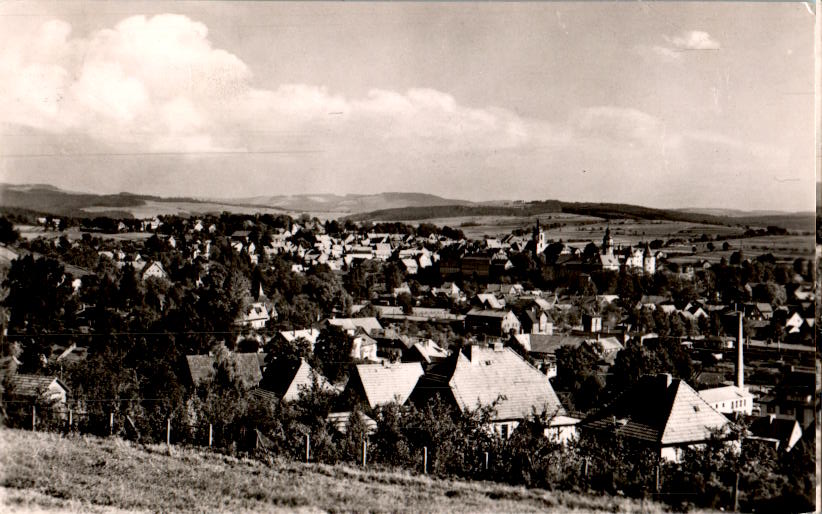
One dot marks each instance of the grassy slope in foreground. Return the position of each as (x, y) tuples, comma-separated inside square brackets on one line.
[(46, 472)]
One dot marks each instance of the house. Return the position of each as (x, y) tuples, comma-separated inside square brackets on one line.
[(309, 334), (287, 378), (154, 270), (660, 412), (488, 301), (378, 384), (729, 399), (448, 289), (426, 351), (201, 368), (492, 322), (535, 321), (254, 316), (350, 325), (591, 324), (411, 266), (363, 346), (37, 387), (783, 431), (485, 375), (341, 421)]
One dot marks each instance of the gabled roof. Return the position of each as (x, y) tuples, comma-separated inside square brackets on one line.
[(658, 409), (286, 378), (309, 334), (32, 386), (341, 421), (384, 383), (489, 374), (490, 300)]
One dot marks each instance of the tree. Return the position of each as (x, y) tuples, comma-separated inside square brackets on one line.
[(406, 301), (8, 234), (333, 351), (577, 374)]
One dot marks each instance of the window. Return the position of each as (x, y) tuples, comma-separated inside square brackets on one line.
[(505, 431)]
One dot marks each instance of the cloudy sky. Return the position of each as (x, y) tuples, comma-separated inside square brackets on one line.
[(663, 104)]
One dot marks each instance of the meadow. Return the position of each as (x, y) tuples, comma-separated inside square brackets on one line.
[(47, 472)]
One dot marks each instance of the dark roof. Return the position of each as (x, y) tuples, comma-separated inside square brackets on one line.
[(286, 378), (774, 427), (660, 410), (32, 386)]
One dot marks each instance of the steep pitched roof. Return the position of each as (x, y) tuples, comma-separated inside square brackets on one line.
[(660, 410), (386, 383), (32, 386), (489, 374), (287, 378)]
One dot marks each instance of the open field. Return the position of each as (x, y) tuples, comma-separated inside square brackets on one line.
[(48, 472), (153, 208), (627, 232), (476, 227), (784, 248), (74, 233)]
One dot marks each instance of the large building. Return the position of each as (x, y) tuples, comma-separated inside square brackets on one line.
[(732, 399)]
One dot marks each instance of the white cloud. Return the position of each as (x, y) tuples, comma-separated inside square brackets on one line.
[(155, 84), (693, 40)]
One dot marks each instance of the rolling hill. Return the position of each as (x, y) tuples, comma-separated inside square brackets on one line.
[(790, 221), (393, 206)]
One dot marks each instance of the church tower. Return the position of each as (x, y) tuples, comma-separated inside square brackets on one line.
[(608, 243), (648, 260)]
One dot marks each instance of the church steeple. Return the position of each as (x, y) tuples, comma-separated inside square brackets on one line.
[(607, 242)]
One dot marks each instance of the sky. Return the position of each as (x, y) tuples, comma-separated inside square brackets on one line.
[(663, 104)]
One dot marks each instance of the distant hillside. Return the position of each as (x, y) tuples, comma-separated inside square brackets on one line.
[(48, 199), (799, 221), (52, 200), (349, 203)]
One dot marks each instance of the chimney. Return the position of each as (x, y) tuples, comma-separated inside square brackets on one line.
[(740, 366), (665, 378)]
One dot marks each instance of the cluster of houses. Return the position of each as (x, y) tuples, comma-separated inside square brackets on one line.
[(668, 413)]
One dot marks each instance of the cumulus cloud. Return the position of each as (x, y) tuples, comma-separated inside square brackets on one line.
[(693, 40), (158, 84)]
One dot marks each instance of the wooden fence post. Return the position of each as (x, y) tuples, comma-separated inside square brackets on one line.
[(70, 418), (736, 493), (111, 424), (586, 467), (425, 460), (486, 461), (364, 453), (33, 418), (209, 435), (307, 447), (168, 434)]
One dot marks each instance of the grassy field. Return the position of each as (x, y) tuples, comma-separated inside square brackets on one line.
[(44, 472)]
